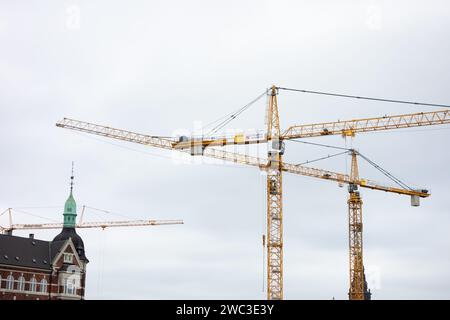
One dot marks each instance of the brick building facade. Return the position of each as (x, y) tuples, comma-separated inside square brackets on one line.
[(44, 270)]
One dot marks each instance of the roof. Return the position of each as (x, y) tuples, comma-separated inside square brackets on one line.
[(71, 233), (28, 252), (55, 248)]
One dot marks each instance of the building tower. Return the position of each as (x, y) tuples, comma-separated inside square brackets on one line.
[(68, 231)]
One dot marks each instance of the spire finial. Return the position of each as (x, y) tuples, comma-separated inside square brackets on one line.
[(71, 180)]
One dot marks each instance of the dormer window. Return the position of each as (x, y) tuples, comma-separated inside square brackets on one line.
[(68, 258)]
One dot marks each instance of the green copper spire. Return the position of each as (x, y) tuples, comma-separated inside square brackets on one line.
[(70, 208)]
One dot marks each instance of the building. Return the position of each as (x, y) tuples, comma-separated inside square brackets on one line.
[(35, 269)]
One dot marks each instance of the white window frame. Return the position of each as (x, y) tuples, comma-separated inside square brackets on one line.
[(70, 286), (44, 284), (21, 283), (33, 284), (68, 258), (10, 282)]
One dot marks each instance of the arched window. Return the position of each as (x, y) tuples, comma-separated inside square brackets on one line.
[(33, 283), (21, 283), (10, 282), (43, 285)]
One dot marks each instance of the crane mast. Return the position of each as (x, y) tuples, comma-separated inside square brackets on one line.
[(355, 229), (274, 202)]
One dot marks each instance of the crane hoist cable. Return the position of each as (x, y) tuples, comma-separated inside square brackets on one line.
[(151, 153), (323, 158), (365, 98), (34, 215), (320, 144), (386, 173), (234, 115), (124, 147), (218, 119), (40, 207), (113, 213), (347, 151)]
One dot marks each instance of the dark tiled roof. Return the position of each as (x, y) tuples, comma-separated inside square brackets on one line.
[(28, 252), (71, 233), (55, 248)]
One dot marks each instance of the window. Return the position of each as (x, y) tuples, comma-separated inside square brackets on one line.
[(10, 282), (70, 286), (68, 258), (33, 284), (21, 283), (0, 281), (43, 285)]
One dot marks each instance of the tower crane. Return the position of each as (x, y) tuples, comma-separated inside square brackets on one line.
[(358, 284), (97, 224), (274, 165)]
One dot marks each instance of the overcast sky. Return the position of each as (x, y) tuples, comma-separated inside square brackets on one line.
[(159, 67)]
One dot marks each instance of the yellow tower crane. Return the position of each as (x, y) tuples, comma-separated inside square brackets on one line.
[(358, 285), (357, 289), (94, 224), (273, 165)]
